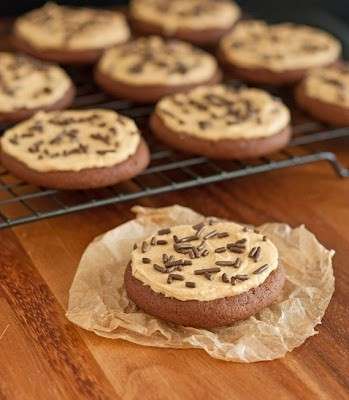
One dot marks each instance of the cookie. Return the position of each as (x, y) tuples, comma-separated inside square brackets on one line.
[(67, 34), (204, 275), (201, 22), (276, 54), (28, 85), (324, 94), (222, 122), (74, 149), (149, 68)]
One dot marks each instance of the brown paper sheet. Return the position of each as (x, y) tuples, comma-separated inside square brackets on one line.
[(98, 301)]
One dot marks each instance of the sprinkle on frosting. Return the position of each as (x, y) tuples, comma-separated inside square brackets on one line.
[(192, 262), (153, 60), (72, 140), (27, 83), (222, 112), (189, 14), (59, 27), (280, 47)]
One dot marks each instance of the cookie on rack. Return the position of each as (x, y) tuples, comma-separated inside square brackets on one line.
[(222, 122), (74, 149), (29, 85), (276, 54), (68, 34), (205, 276), (201, 22), (149, 68), (324, 94)]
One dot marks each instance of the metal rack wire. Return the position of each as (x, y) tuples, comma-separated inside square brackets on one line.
[(169, 171)]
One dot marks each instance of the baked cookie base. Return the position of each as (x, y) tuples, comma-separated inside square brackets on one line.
[(85, 179), (329, 113), (263, 76), (87, 56), (24, 113), (202, 37), (224, 149), (146, 93), (205, 314)]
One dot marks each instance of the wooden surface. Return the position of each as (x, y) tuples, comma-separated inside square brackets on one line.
[(43, 356)]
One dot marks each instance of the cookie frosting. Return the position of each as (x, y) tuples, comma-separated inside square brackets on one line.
[(26, 83), (153, 60), (280, 47), (188, 14), (58, 27), (330, 85), (222, 112), (204, 262), (72, 140)]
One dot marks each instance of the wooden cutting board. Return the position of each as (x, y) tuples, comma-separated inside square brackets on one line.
[(44, 356)]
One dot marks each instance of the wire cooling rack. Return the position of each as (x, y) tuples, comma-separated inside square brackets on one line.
[(169, 171)]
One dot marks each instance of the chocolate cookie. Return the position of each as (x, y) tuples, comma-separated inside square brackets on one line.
[(205, 275), (74, 149), (28, 85), (276, 54), (68, 34), (222, 122), (201, 22), (147, 69), (324, 94)]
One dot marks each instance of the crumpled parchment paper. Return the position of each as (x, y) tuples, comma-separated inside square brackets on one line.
[(98, 301)]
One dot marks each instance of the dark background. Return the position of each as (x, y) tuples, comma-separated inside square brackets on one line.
[(332, 15)]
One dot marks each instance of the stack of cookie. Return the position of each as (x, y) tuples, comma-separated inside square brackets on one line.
[(194, 112)]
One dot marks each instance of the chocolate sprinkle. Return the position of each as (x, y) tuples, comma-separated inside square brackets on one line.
[(255, 253), (161, 242), (241, 277), (222, 235), (225, 278), (210, 235), (164, 231), (220, 250), (190, 284), (261, 269), (202, 271), (159, 268), (176, 277), (199, 226), (146, 260), (225, 263), (153, 241)]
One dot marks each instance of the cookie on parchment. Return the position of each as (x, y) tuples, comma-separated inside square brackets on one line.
[(148, 68), (222, 122), (201, 22), (69, 34), (28, 85), (74, 149), (324, 94), (204, 275), (276, 54)]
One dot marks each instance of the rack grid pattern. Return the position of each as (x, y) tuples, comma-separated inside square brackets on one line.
[(169, 171)]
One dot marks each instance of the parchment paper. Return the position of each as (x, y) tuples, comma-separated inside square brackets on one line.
[(98, 301)]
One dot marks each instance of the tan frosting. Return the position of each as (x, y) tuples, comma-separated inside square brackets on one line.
[(206, 289), (329, 84), (153, 60), (189, 14), (222, 112), (26, 83), (280, 47), (72, 140), (58, 27)]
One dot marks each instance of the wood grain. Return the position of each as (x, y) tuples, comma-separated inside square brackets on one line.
[(44, 356)]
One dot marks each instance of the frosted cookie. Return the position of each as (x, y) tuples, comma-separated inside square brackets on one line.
[(222, 122), (201, 22), (324, 93), (204, 275), (276, 54), (67, 34), (28, 85), (148, 68), (74, 149)]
